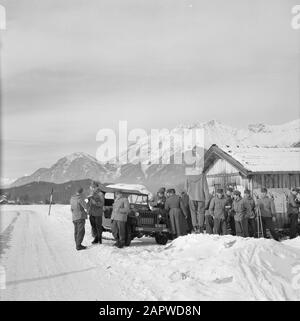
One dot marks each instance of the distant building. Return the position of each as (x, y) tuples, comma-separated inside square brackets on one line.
[(3, 199)]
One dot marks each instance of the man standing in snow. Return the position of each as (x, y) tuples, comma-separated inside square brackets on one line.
[(177, 220), (186, 210), (197, 190), (251, 214), (229, 213), (209, 220), (120, 211), (217, 211), (293, 212), (240, 208), (268, 215), (79, 215), (95, 211)]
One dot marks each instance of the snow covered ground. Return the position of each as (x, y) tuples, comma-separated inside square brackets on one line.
[(37, 252)]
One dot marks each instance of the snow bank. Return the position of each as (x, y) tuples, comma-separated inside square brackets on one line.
[(208, 267)]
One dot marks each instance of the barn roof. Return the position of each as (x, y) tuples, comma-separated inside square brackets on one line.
[(256, 159)]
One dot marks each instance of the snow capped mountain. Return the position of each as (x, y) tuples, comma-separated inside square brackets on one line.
[(76, 166), (285, 135), (6, 181), (263, 135), (79, 165)]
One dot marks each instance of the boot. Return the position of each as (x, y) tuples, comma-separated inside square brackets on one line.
[(80, 247), (120, 245), (100, 240)]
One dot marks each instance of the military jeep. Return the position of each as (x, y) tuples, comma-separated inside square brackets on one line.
[(141, 221)]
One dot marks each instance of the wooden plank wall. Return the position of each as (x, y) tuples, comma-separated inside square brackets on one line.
[(276, 180)]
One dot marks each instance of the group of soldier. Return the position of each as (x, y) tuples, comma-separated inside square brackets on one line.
[(195, 210), (94, 209), (224, 212)]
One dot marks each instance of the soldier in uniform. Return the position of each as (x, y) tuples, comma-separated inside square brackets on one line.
[(177, 219), (251, 213), (293, 211), (268, 215)]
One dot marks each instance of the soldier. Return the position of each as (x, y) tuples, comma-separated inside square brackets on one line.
[(293, 211), (251, 214), (186, 210), (229, 213), (158, 201), (240, 208), (95, 211), (79, 215), (217, 211), (268, 215), (120, 211), (209, 220), (177, 220), (197, 190)]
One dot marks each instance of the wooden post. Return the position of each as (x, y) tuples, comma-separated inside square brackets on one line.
[(50, 203)]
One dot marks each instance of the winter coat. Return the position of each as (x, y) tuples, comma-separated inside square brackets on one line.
[(251, 210), (120, 210), (217, 207), (173, 201), (178, 223), (292, 206), (228, 206), (197, 188), (185, 202), (78, 207), (95, 204), (207, 212), (266, 206), (240, 208)]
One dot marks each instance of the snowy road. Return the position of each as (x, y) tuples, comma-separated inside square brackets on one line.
[(41, 263)]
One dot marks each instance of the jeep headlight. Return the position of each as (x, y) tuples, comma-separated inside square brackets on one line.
[(137, 214)]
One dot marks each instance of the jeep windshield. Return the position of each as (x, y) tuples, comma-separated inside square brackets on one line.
[(132, 198)]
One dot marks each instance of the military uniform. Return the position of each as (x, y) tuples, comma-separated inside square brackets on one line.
[(267, 210), (95, 211), (119, 218), (217, 211), (79, 215), (177, 219)]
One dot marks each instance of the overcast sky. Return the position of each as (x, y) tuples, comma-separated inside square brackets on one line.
[(72, 67)]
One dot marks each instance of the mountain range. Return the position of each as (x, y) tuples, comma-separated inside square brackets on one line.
[(80, 166)]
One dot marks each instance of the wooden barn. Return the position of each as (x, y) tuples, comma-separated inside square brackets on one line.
[(277, 169)]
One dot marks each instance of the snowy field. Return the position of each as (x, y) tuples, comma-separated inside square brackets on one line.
[(41, 263)]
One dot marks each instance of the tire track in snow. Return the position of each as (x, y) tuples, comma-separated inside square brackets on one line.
[(42, 264), (6, 235)]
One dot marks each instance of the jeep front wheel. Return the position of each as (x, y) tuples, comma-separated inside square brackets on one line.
[(161, 239)]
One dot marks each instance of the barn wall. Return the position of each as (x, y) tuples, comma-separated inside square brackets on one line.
[(276, 180), (221, 174), (221, 166)]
